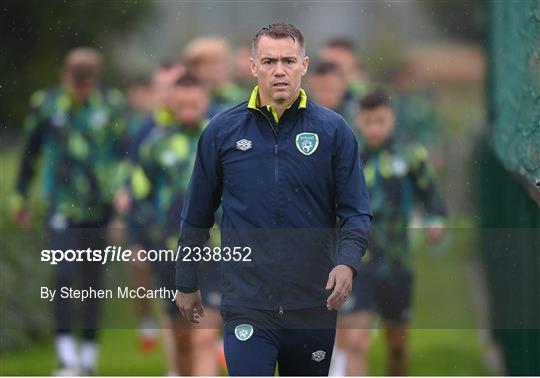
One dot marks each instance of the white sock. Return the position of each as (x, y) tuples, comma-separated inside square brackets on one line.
[(148, 328), (89, 355), (66, 350), (338, 366)]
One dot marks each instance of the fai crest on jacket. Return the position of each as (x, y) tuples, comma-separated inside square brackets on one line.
[(307, 143)]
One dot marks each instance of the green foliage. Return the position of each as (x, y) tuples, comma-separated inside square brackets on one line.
[(36, 35), (22, 320), (461, 19)]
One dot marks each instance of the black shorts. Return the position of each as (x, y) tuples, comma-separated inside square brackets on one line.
[(386, 290), (209, 275), (164, 276)]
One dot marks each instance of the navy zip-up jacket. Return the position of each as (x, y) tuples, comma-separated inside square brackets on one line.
[(292, 191)]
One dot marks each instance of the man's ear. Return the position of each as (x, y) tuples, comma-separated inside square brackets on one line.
[(305, 65), (253, 66)]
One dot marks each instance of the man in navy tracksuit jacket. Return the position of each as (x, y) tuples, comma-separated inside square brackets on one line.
[(295, 222)]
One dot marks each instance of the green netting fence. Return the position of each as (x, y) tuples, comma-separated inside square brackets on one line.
[(514, 69), (507, 166)]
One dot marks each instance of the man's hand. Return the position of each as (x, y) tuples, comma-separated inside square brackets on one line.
[(340, 278), (122, 201), (116, 230), (21, 217), (190, 305), (435, 234)]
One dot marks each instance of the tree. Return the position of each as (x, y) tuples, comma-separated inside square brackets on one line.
[(36, 35)]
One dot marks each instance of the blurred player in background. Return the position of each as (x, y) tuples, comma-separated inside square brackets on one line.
[(397, 175), (76, 127), (342, 52), (149, 108), (328, 87), (163, 77), (141, 101), (140, 96), (242, 70), (414, 104), (208, 59), (164, 165)]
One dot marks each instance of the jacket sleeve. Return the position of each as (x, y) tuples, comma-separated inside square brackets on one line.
[(202, 199), (35, 130), (352, 200), (425, 188)]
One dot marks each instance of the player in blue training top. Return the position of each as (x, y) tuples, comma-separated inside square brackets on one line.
[(295, 222)]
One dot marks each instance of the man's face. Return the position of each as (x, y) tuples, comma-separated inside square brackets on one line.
[(278, 66), (80, 91), (141, 98), (163, 80), (327, 89), (341, 57), (214, 72), (242, 67), (79, 88), (189, 105), (376, 125)]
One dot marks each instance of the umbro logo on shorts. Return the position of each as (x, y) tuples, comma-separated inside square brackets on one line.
[(243, 145), (318, 356)]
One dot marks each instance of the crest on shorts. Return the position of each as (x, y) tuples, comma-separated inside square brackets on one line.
[(243, 331), (307, 143)]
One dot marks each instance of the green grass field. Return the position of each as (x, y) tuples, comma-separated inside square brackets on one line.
[(448, 344), (434, 352)]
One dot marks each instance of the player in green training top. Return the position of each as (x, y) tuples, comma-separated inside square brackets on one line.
[(76, 127), (397, 176), (160, 179)]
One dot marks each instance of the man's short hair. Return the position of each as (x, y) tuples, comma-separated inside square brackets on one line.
[(278, 30), (168, 64), (140, 81), (375, 99), (83, 65), (325, 68), (341, 43), (188, 80), (202, 49)]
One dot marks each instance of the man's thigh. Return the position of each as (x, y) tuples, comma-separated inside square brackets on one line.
[(255, 356), (393, 297), (250, 342), (354, 330), (306, 352), (164, 273)]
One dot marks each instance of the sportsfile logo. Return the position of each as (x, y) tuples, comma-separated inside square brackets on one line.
[(120, 254)]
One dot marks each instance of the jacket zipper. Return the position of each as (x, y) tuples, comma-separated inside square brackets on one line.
[(276, 170)]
